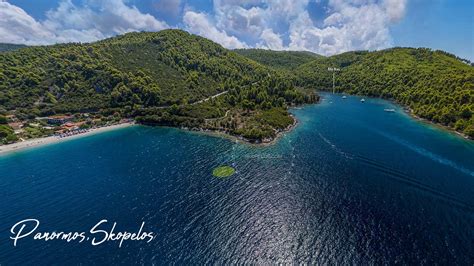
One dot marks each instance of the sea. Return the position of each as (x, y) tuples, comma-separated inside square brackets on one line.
[(351, 184)]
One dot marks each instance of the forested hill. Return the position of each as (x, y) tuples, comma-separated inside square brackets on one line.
[(10, 47), (283, 60), (435, 85), (152, 76), (163, 77)]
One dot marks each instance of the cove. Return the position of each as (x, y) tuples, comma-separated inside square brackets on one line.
[(350, 184)]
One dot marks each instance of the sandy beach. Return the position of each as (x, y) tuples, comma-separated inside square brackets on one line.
[(4, 149)]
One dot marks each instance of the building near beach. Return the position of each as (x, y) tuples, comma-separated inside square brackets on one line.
[(59, 119), (17, 127)]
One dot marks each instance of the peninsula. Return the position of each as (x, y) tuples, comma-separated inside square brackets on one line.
[(173, 78), (169, 78)]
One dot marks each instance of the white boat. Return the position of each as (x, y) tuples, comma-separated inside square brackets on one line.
[(362, 100), (344, 97), (389, 110)]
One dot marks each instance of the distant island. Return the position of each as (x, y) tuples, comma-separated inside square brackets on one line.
[(173, 78)]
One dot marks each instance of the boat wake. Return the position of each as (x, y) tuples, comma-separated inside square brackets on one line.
[(428, 154), (334, 147), (413, 182), (400, 176)]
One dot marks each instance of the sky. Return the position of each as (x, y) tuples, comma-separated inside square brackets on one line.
[(325, 27)]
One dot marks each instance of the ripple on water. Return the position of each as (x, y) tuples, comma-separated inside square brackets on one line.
[(329, 193)]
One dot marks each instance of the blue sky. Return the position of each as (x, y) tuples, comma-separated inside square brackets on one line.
[(322, 26)]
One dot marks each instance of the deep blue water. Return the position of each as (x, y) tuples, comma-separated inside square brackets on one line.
[(351, 184)]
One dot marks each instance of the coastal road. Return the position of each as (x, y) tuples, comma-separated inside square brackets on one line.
[(198, 102), (217, 118), (210, 97)]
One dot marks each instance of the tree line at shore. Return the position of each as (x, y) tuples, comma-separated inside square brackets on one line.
[(156, 77), (434, 85), (160, 78)]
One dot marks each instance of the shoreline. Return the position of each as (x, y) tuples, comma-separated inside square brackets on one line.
[(407, 110), (38, 142), (262, 143), (237, 138), (410, 113)]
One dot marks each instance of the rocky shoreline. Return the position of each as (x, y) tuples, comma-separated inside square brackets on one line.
[(263, 142), (410, 112)]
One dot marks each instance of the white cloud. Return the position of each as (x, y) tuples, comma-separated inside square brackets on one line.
[(273, 24), (200, 24), (70, 23), (270, 40), (395, 9), (169, 7), (249, 18), (349, 24), (241, 21), (353, 25), (16, 26)]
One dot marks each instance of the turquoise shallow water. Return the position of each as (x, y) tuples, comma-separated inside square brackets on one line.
[(351, 184)]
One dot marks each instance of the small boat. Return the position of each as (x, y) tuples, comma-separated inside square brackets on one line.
[(344, 97), (362, 100), (389, 110)]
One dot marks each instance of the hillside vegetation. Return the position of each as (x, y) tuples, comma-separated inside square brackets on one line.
[(157, 78), (10, 47), (170, 78), (280, 60), (435, 85)]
